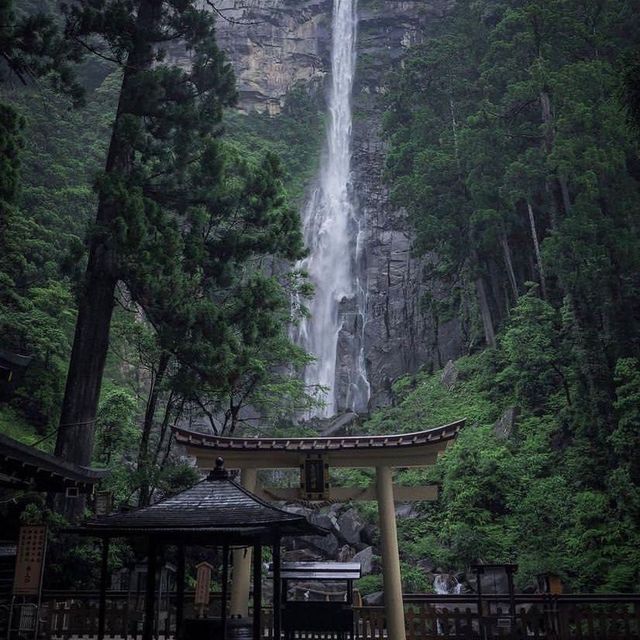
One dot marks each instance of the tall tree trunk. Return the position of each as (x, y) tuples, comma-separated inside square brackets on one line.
[(144, 460), (536, 247), (508, 263), (485, 312), (454, 131), (91, 339), (562, 199), (76, 430)]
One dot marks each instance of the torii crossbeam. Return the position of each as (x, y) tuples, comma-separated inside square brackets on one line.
[(314, 457)]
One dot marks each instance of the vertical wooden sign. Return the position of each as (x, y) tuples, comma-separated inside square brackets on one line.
[(314, 477), (203, 586), (32, 546)]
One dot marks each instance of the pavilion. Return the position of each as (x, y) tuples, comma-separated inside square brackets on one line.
[(215, 512)]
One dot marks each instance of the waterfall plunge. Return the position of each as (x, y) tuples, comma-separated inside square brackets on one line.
[(332, 233)]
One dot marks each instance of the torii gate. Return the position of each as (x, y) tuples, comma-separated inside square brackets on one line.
[(314, 457)]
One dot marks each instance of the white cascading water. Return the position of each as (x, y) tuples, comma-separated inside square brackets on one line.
[(332, 234), (445, 584)]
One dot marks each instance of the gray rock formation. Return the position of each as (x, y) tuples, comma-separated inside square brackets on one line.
[(365, 558), (399, 336), (375, 599), (503, 428), (449, 375), (406, 510), (350, 526), (275, 44)]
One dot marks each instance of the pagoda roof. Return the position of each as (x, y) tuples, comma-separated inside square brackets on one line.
[(215, 508)]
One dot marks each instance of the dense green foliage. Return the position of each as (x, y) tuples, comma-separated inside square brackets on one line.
[(513, 137), (513, 149), (209, 222), (518, 497)]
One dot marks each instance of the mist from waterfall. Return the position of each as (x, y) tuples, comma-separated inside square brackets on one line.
[(332, 234)]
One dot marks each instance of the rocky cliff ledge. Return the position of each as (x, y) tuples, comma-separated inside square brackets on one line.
[(276, 44)]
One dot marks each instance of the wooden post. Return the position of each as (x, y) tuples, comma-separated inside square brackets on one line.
[(277, 592), (241, 580), (180, 591), (150, 591), (225, 584), (102, 606), (257, 592), (392, 580)]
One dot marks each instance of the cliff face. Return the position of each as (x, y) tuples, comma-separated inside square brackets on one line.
[(274, 44)]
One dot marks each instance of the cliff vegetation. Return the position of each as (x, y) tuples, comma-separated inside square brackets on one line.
[(513, 146)]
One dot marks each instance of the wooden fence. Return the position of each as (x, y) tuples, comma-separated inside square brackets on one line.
[(428, 617)]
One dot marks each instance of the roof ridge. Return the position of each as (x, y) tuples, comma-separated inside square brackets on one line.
[(411, 434)]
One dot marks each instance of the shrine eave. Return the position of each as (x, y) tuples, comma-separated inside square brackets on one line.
[(25, 467)]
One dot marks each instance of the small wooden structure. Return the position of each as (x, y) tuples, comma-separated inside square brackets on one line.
[(25, 467), (12, 368), (215, 512), (317, 616)]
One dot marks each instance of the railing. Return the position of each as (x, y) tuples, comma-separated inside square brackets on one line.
[(537, 617), (65, 615)]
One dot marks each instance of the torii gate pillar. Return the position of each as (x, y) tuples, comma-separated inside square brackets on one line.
[(241, 583), (392, 581)]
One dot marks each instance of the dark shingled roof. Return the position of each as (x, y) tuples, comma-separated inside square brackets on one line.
[(334, 443), (24, 466), (217, 505)]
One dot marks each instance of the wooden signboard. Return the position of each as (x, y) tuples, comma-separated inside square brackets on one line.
[(32, 546), (314, 477), (203, 584)]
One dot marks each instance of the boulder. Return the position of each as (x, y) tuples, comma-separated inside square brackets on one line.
[(298, 510), (503, 428), (300, 555), (449, 375), (324, 520), (350, 526), (375, 599), (339, 425), (406, 510), (427, 565), (328, 545), (369, 534), (365, 558)]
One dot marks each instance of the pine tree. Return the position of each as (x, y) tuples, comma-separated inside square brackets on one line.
[(181, 217)]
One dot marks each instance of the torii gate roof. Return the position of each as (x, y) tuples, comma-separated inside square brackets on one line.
[(419, 448)]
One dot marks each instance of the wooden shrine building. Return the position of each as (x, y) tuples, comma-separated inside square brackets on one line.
[(314, 457), (216, 512), (25, 467)]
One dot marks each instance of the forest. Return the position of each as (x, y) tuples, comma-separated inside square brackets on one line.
[(514, 147), (150, 240)]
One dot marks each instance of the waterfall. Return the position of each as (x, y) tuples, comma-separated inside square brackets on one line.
[(446, 584), (333, 234)]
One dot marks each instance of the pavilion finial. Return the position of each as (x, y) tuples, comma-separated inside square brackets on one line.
[(219, 473)]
